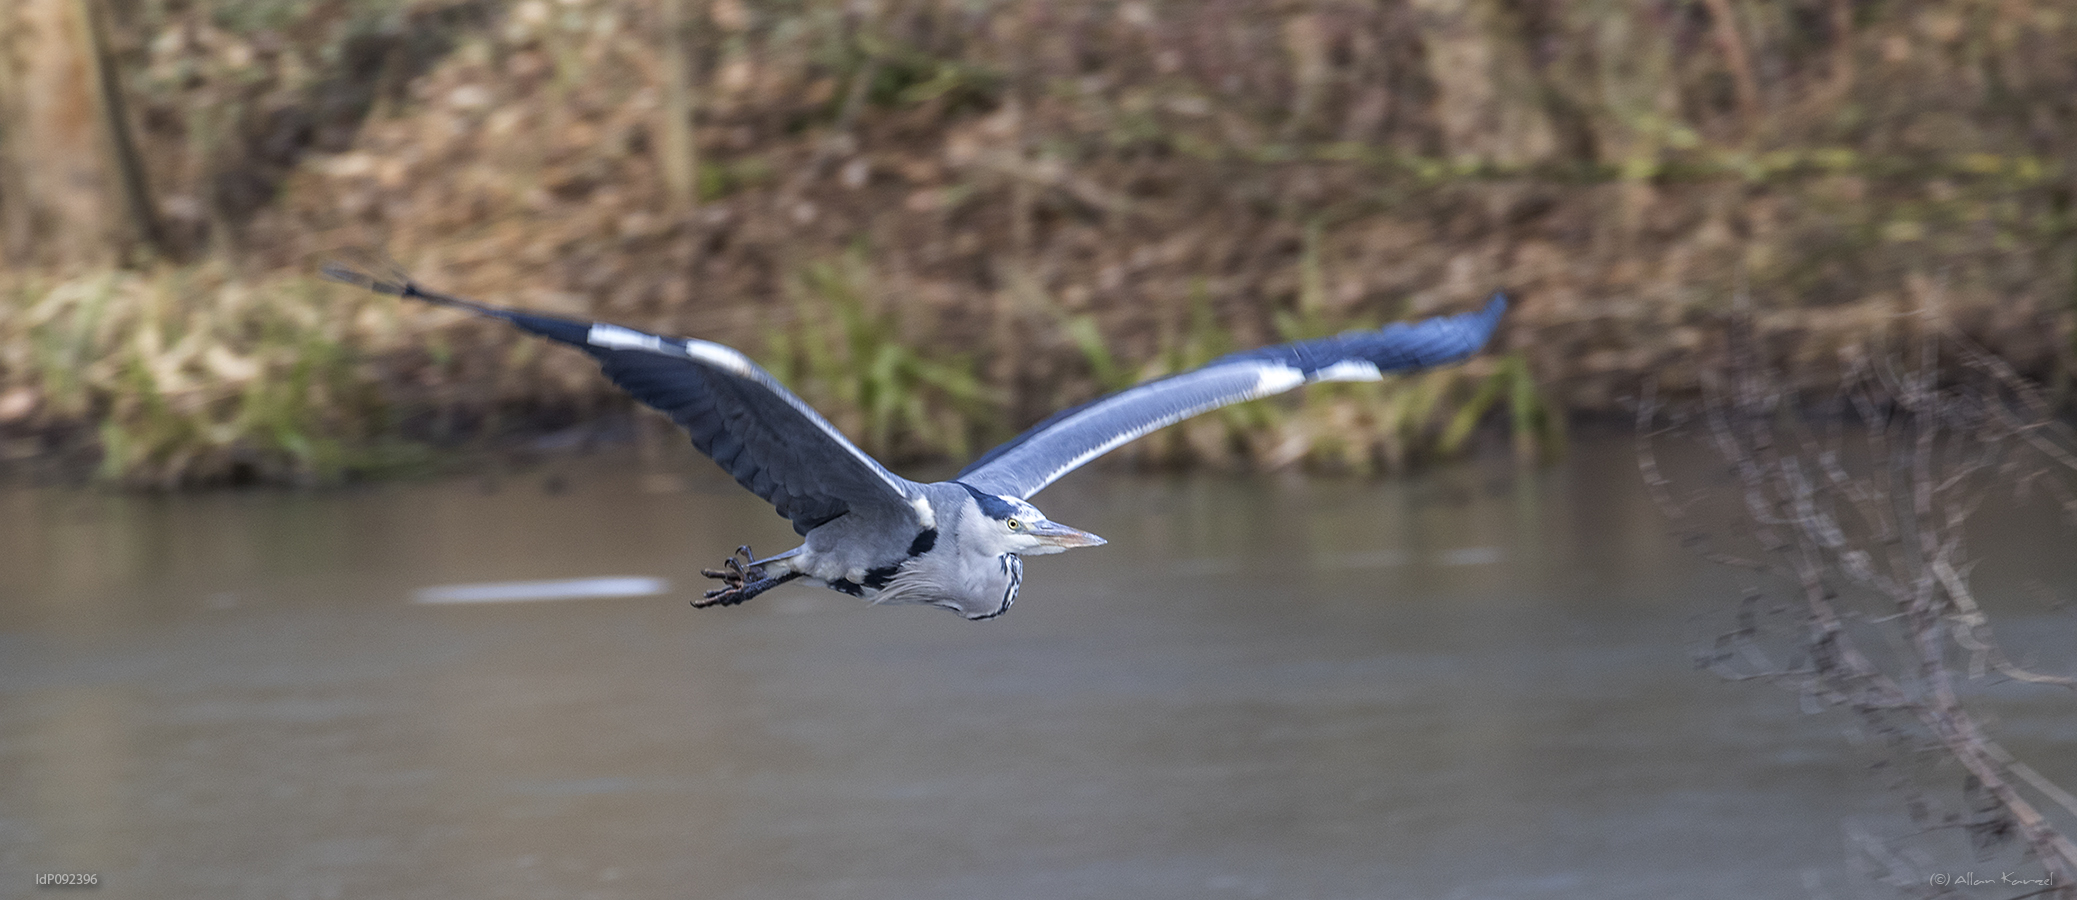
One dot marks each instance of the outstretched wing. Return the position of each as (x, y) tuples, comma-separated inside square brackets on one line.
[(737, 413), (1062, 443)]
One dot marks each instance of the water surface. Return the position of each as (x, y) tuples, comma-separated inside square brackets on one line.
[(1476, 683)]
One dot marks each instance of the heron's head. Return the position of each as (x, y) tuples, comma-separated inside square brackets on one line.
[(1018, 527)]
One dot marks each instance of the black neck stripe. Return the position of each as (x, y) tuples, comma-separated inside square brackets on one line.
[(991, 505)]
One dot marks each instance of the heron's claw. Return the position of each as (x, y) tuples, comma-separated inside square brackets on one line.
[(741, 580)]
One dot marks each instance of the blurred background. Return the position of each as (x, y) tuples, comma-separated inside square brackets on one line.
[(939, 221)]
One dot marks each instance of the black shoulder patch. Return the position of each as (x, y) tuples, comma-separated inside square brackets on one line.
[(925, 539), (878, 578), (991, 505)]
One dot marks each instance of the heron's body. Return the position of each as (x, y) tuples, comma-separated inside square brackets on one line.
[(958, 544), (955, 556)]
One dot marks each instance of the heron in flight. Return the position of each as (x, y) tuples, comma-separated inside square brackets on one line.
[(958, 544)]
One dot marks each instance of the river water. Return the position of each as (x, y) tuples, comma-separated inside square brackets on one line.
[(1473, 683)]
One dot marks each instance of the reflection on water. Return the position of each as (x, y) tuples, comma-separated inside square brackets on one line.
[(1472, 684), (532, 591)]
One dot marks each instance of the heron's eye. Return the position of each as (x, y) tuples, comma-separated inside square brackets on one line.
[(1014, 524)]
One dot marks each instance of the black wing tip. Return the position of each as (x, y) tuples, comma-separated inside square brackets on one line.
[(1494, 307), (344, 273), (1488, 320), (1417, 344), (397, 284), (1474, 330)]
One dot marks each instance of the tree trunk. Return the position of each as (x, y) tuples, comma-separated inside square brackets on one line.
[(679, 152), (74, 191)]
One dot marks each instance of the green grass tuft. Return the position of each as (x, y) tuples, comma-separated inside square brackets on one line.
[(195, 378), (848, 358)]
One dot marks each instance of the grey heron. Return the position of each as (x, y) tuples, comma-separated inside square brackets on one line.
[(958, 544)]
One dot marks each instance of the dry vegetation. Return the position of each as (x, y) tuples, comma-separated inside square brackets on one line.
[(1072, 194)]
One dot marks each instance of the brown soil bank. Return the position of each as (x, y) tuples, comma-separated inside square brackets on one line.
[(1069, 194)]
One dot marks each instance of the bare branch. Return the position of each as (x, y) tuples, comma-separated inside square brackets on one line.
[(1875, 546)]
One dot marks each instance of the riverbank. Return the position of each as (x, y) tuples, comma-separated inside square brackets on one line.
[(940, 224)]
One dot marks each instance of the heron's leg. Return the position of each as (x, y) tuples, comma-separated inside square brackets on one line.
[(741, 580), (737, 569), (730, 596)]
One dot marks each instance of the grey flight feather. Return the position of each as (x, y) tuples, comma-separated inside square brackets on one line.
[(1062, 443)]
